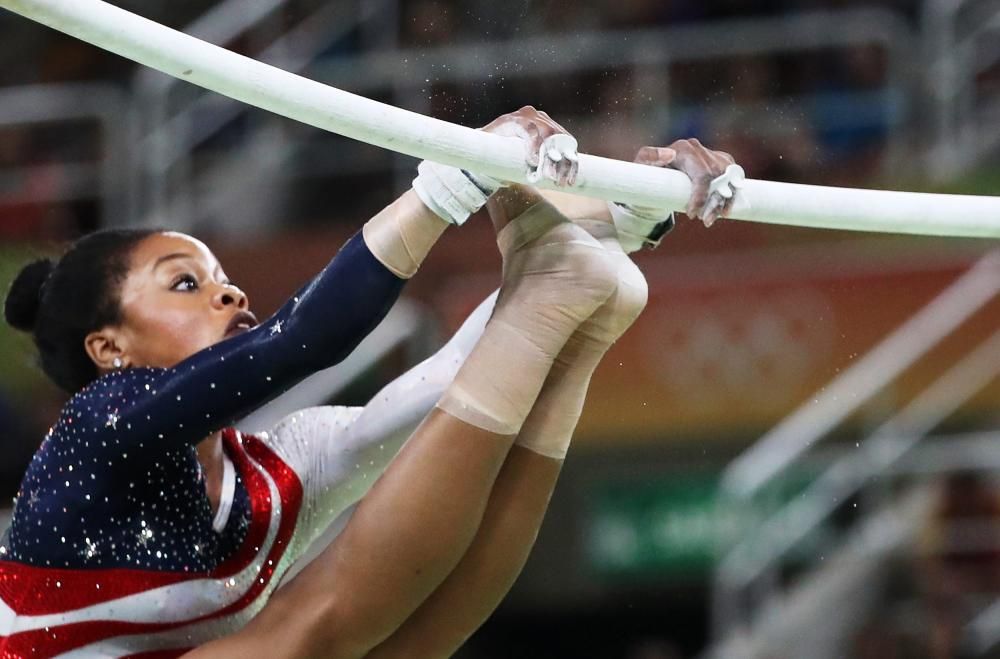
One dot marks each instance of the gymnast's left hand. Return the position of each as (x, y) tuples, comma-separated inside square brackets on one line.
[(454, 194), (550, 152), (703, 166)]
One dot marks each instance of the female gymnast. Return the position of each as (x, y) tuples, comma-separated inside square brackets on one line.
[(136, 535)]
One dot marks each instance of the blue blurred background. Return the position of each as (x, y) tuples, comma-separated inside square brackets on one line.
[(790, 455)]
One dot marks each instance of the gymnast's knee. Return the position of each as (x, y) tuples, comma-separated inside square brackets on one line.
[(632, 292)]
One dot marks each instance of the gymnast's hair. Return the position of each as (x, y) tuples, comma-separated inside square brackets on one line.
[(59, 303)]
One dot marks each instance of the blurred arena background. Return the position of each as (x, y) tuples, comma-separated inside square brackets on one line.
[(794, 453)]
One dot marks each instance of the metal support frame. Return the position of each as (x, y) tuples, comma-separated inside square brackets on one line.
[(963, 131), (169, 139)]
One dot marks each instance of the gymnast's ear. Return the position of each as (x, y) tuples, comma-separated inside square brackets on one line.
[(106, 349)]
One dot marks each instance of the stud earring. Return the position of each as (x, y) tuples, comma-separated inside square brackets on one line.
[(117, 362)]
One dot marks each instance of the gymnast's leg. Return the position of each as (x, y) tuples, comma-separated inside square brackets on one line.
[(418, 520), (524, 486)]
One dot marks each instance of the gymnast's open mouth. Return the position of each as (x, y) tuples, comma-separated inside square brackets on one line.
[(242, 321)]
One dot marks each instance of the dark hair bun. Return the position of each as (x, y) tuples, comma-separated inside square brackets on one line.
[(24, 297)]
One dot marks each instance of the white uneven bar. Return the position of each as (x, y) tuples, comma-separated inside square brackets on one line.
[(310, 102)]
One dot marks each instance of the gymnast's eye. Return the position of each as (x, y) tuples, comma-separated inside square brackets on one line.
[(185, 283)]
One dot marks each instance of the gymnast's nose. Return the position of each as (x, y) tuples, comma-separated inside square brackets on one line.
[(230, 296)]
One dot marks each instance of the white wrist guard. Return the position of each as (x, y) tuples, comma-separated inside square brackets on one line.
[(451, 193), (640, 226)]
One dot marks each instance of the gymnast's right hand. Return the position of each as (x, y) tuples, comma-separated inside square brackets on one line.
[(454, 194), (549, 149)]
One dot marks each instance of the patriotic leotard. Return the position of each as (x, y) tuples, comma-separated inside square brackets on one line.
[(113, 549)]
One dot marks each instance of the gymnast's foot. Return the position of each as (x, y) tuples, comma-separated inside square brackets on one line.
[(555, 277), (549, 428)]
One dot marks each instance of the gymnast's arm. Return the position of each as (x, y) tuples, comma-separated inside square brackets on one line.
[(318, 327)]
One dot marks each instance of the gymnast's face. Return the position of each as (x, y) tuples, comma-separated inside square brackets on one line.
[(176, 300)]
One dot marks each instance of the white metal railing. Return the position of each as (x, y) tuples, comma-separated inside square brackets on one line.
[(967, 452), (982, 636), (856, 574), (793, 436), (151, 94), (167, 139), (174, 137), (749, 567), (886, 534), (846, 477), (964, 126)]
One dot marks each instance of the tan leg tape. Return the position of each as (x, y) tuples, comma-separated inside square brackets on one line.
[(552, 421), (555, 277)]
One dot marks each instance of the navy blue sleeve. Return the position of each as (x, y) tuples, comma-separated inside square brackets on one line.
[(315, 329)]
